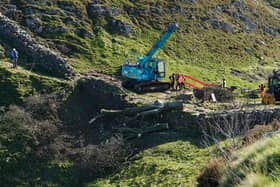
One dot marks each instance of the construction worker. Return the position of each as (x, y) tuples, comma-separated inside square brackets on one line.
[(172, 80), (180, 82), (262, 90), (224, 82), (14, 57)]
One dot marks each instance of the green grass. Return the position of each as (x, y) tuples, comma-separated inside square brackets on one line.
[(16, 84), (207, 54), (275, 3), (19, 165), (256, 165), (171, 164)]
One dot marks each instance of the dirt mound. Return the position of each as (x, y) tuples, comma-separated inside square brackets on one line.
[(89, 96)]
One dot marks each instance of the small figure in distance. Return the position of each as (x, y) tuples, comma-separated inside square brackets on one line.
[(262, 90), (172, 81), (14, 57), (224, 82)]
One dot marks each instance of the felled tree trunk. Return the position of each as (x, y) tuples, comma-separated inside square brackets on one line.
[(142, 111)]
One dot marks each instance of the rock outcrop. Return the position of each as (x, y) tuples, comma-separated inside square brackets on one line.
[(251, 117), (42, 57), (113, 25), (2, 51)]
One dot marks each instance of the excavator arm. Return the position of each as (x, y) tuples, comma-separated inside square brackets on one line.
[(158, 45)]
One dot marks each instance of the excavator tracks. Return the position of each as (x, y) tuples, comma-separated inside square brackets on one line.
[(142, 87)]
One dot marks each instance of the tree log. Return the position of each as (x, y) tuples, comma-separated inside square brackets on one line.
[(142, 111)]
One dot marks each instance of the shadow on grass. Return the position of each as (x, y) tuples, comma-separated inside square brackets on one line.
[(33, 172)]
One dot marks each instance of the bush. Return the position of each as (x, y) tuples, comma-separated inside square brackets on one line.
[(42, 107), (100, 159), (212, 173), (17, 143)]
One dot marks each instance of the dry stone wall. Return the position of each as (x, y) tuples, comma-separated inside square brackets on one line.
[(42, 57)]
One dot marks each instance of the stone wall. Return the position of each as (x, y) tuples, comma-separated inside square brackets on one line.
[(2, 51), (251, 117), (42, 57)]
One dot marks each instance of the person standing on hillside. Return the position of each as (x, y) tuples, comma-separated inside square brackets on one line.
[(262, 90), (224, 82), (14, 57)]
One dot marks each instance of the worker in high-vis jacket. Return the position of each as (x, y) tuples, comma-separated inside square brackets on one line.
[(262, 90)]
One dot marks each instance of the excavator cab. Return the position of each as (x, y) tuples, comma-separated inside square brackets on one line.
[(160, 70), (157, 69)]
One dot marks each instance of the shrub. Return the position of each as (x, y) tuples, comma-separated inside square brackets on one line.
[(42, 106), (99, 159), (17, 143), (212, 173)]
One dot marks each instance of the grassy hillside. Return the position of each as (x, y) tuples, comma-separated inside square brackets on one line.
[(275, 3), (19, 164), (180, 163), (257, 166), (172, 164), (239, 39), (17, 84)]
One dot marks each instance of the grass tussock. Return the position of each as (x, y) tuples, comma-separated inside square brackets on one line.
[(256, 165)]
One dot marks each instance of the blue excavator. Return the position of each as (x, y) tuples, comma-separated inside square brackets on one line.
[(146, 74)]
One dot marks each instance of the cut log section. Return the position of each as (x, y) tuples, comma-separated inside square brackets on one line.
[(142, 111)]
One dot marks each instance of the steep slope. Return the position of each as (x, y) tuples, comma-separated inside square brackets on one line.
[(172, 164), (17, 84), (237, 38), (257, 166)]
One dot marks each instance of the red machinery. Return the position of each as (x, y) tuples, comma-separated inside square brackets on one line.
[(181, 80), (201, 90)]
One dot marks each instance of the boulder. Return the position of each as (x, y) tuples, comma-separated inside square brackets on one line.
[(102, 10), (260, 42), (34, 24), (226, 27), (249, 50), (81, 32), (2, 52), (124, 28), (56, 29), (250, 25)]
